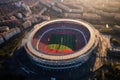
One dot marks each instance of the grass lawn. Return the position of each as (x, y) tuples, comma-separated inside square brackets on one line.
[(58, 47), (62, 42)]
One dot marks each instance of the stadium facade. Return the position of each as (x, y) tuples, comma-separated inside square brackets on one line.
[(62, 48)]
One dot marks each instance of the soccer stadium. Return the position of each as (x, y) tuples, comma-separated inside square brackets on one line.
[(61, 46), (58, 44)]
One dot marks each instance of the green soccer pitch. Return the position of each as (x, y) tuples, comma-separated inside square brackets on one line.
[(62, 42)]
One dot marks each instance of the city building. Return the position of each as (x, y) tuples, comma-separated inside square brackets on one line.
[(91, 16), (73, 15), (4, 29), (11, 33), (1, 39), (26, 24), (116, 28)]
